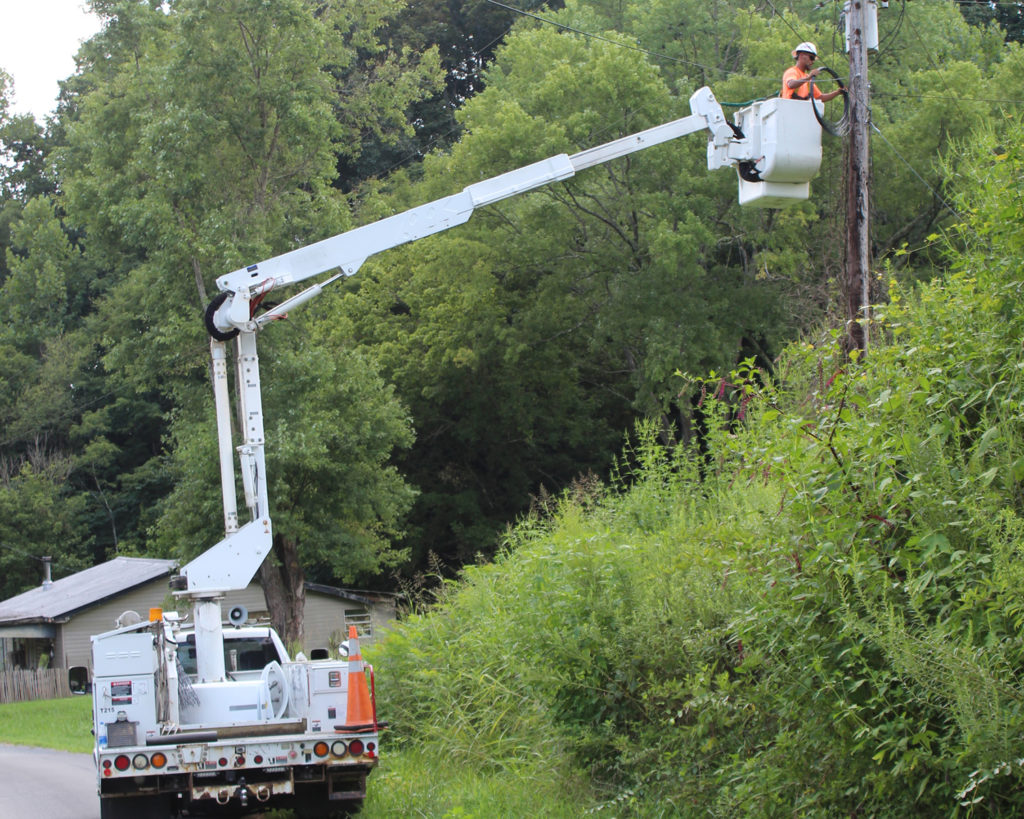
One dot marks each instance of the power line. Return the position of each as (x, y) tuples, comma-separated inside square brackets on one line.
[(21, 552), (952, 97), (913, 170), (891, 37), (442, 136), (935, 66), (593, 36), (905, 95), (789, 25)]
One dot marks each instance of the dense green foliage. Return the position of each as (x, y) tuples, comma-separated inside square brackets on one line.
[(797, 591), (527, 342), (193, 139), (454, 380), (818, 614), (1007, 14)]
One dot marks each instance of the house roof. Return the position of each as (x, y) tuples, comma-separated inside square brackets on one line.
[(83, 589), (368, 598)]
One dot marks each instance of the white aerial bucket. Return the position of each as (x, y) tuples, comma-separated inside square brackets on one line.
[(785, 143)]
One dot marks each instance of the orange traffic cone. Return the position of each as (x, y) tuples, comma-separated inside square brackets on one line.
[(359, 715)]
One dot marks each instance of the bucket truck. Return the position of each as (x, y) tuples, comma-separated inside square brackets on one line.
[(192, 716)]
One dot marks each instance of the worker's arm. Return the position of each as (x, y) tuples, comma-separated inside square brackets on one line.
[(796, 82)]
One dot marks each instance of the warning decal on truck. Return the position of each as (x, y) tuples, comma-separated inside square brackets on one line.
[(121, 692)]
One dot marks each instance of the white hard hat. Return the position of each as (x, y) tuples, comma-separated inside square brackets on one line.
[(810, 48)]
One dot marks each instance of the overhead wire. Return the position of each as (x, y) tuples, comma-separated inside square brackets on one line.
[(448, 132), (904, 95), (67, 415), (890, 39), (593, 36), (21, 552), (656, 55), (955, 98), (660, 56), (913, 170), (782, 17), (892, 35), (936, 68)]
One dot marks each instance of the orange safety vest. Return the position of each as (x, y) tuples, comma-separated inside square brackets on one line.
[(788, 93)]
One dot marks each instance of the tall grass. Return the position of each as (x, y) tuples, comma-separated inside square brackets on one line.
[(416, 782), (818, 613)]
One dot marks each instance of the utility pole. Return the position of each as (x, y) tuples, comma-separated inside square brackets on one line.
[(858, 258)]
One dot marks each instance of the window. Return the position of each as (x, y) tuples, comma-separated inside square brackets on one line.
[(240, 653)]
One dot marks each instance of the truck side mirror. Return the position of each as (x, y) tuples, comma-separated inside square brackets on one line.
[(78, 679)]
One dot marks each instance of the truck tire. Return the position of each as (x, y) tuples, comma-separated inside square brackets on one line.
[(135, 807)]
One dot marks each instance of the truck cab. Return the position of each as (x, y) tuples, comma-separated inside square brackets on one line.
[(247, 651)]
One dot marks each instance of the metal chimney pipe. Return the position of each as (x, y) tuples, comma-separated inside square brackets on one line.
[(47, 582)]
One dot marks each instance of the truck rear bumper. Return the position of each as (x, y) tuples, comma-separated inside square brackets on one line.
[(212, 792)]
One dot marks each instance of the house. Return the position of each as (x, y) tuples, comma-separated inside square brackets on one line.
[(57, 619)]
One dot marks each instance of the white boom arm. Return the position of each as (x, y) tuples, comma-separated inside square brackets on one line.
[(346, 252), (232, 563)]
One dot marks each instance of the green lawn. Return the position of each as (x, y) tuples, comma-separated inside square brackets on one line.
[(65, 724)]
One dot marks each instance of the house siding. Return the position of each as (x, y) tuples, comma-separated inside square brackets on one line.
[(325, 619), (73, 636)]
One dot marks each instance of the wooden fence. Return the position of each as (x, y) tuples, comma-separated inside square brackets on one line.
[(40, 684)]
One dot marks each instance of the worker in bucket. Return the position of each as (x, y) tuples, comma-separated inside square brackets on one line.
[(796, 82)]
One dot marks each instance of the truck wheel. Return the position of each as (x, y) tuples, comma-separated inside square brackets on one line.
[(135, 807)]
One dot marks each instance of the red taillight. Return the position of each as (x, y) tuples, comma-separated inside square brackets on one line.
[(107, 763), (222, 761), (239, 761), (122, 762), (158, 760), (321, 749), (371, 746), (257, 759), (355, 747)]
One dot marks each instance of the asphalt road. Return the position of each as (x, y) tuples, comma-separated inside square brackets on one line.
[(46, 784)]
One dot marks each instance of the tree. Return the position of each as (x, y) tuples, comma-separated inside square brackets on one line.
[(466, 35), (197, 137), (38, 299), (37, 519), (1009, 15), (203, 139), (336, 501), (526, 342)]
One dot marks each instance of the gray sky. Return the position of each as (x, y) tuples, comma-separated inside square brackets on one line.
[(38, 41)]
